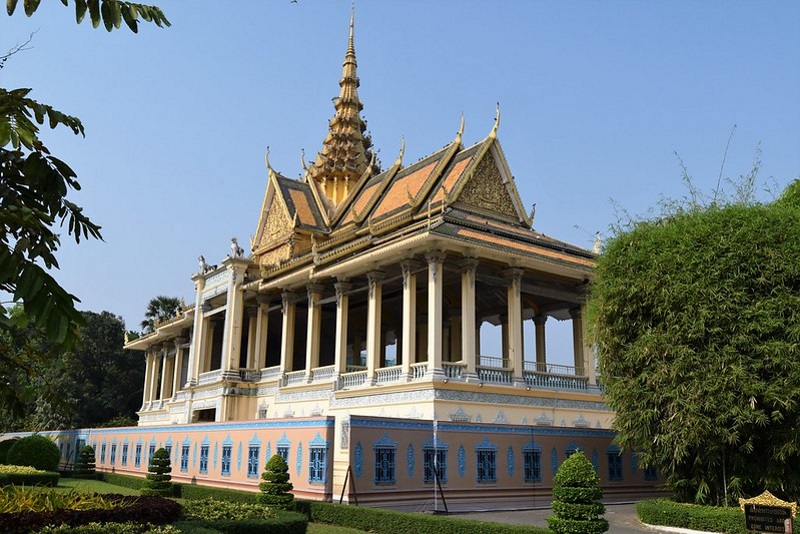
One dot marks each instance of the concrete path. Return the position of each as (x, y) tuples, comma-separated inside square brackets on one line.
[(622, 519)]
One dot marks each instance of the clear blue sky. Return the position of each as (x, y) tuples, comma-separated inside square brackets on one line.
[(595, 96)]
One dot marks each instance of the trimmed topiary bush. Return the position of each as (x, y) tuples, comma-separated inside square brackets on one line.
[(576, 493), (275, 490), (158, 475), (85, 466), (4, 446), (36, 451)]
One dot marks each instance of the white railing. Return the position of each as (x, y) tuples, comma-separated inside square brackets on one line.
[(495, 375), (454, 370), (350, 380), (418, 370), (323, 374), (559, 381), (554, 369), (209, 377), (295, 377), (386, 375), (271, 373)]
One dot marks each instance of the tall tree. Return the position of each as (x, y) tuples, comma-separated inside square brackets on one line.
[(697, 325), (34, 185), (159, 309)]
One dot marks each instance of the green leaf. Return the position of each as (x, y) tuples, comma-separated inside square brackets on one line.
[(116, 13), (94, 12), (11, 5), (105, 11), (31, 6), (80, 10), (129, 15)]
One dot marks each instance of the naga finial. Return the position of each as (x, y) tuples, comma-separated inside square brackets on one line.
[(266, 160), (399, 160), (493, 133), (460, 129)]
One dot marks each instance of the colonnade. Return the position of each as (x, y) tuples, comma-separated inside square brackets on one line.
[(230, 341)]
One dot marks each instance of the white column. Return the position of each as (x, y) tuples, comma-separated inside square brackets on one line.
[(313, 326), (435, 283), (541, 343), (515, 324), (252, 325), (162, 376), (288, 308), (262, 318), (178, 363), (374, 338), (232, 333), (156, 367), (342, 309), (198, 337), (469, 347), (148, 370), (409, 335)]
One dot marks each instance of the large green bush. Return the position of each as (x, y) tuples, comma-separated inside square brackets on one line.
[(36, 451), (576, 492), (276, 488), (158, 475), (4, 446), (663, 512)]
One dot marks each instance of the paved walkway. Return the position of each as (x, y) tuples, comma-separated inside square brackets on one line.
[(622, 519)]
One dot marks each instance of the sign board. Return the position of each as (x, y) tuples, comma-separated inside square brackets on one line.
[(767, 513), (760, 518)]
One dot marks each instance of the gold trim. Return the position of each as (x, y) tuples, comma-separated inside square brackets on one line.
[(768, 499)]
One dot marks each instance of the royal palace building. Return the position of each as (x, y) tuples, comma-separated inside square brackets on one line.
[(349, 341)]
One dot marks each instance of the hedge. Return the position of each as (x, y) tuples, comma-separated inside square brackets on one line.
[(709, 518), (390, 522), (284, 523), (193, 491), (44, 478), (122, 480), (156, 510)]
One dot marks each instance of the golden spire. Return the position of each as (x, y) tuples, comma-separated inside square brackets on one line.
[(347, 150)]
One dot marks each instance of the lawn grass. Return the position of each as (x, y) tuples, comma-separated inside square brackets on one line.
[(92, 486)]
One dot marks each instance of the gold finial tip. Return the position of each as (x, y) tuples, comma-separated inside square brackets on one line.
[(493, 133), (460, 128), (266, 159)]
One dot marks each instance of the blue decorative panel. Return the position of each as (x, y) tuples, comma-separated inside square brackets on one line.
[(486, 445), (318, 441), (228, 441), (269, 450), (462, 461), (254, 441), (571, 448), (634, 462), (531, 446), (284, 441), (299, 462), (216, 452), (186, 440), (239, 457), (359, 459), (554, 460), (510, 461), (194, 456), (385, 442), (595, 460), (431, 444), (410, 460)]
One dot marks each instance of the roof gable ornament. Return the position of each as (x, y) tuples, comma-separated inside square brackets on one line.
[(493, 133)]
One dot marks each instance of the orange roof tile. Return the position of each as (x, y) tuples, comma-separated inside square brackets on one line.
[(533, 249), (396, 196), (304, 213), (362, 201), (452, 177)]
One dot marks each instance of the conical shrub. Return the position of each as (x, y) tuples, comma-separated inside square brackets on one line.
[(276, 488), (576, 496), (158, 475)]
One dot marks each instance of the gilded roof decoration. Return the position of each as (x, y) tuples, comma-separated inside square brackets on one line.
[(486, 189)]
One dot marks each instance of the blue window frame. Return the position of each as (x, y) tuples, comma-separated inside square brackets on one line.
[(226, 460), (532, 465), (614, 465), (124, 454), (317, 465), (150, 453), (184, 458), (113, 453), (137, 462), (486, 465), (204, 458), (103, 453), (434, 461), (169, 450), (284, 452), (253, 453), (385, 466), (650, 473)]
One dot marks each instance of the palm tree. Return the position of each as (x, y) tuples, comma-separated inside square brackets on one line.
[(159, 309)]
